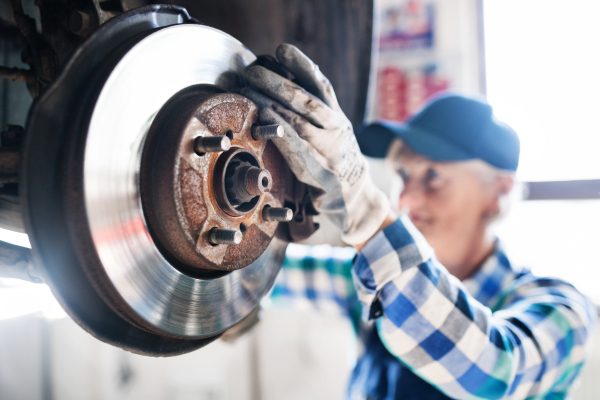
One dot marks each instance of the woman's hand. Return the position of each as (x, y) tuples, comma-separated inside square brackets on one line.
[(319, 144)]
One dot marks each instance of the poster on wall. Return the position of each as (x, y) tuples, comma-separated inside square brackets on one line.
[(406, 25), (402, 91), (424, 47), (408, 71)]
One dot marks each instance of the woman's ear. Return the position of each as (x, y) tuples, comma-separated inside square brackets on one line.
[(504, 185), (500, 188)]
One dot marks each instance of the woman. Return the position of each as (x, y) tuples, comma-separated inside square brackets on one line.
[(460, 323)]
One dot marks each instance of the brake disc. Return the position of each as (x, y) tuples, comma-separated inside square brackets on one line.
[(123, 207)]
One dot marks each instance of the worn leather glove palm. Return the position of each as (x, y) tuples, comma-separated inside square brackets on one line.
[(319, 144)]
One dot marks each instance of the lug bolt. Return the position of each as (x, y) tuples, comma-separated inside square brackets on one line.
[(258, 181), (211, 144), (225, 236), (282, 214), (264, 132)]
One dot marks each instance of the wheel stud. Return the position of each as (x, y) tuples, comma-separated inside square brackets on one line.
[(211, 144), (265, 132), (225, 236), (282, 214)]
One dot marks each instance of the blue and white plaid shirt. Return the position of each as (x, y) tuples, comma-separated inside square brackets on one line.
[(501, 334)]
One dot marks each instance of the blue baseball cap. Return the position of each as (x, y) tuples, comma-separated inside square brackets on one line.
[(449, 128)]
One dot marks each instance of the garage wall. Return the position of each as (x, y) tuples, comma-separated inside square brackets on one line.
[(290, 355)]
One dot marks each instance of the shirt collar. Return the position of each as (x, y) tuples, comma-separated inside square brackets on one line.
[(495, 274)]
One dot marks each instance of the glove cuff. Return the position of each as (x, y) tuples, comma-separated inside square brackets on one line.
[(366, 214)]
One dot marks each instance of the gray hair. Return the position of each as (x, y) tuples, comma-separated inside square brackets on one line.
[(487, 173)]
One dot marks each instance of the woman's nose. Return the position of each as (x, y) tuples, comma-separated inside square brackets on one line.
[(411, 197)]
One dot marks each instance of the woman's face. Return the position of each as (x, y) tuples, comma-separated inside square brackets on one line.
[(448, 203)]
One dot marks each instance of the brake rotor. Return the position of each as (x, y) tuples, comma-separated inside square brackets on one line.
[(121, 207)]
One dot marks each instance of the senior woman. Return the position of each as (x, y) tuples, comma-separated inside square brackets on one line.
[(450, 316)]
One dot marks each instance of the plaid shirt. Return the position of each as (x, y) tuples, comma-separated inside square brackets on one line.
[(318, 277), (501, 334)]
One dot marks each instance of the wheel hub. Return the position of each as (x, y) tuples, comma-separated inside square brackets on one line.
[(187, 194)]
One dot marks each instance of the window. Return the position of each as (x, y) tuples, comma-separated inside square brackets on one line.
[(543, 79)]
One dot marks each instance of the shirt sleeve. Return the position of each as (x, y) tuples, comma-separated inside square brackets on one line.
[(533, 345), (318, 278)]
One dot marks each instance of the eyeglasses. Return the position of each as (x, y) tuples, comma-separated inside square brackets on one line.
[(428, 181)]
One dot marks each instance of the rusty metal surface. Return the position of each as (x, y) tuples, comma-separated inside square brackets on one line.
[(16, 74), (64, 26), (184, 194), (234, 114)]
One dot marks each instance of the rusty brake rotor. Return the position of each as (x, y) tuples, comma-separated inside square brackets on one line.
[(155, 224)]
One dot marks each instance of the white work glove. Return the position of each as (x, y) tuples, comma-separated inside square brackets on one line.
[(319, 144)]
